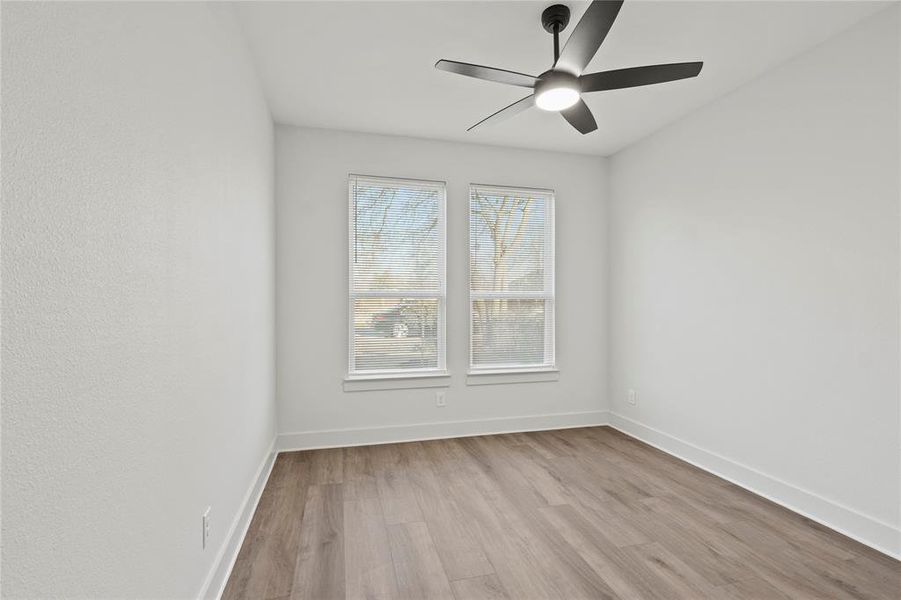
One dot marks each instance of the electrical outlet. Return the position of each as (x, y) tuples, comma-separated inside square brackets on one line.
[(633, 397), (206, 525), (440, 399)]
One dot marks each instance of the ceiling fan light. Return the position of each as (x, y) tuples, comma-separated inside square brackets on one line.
[(557, 90), (557, 98)]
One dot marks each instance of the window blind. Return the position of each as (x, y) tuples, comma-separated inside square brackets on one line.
[(511, 271), (397, 276)]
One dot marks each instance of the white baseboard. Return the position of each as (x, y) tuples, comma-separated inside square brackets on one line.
[(228, 553), (341, 438), (847, 521)]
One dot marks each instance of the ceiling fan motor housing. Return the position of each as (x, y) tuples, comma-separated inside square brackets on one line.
[(556, 79)]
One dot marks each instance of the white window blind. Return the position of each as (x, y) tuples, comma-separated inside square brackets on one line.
[(511, 270), (397, 276)]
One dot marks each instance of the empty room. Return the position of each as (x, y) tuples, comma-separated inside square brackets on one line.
[(466, 300)]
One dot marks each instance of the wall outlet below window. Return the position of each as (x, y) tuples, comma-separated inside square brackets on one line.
[(632, 397), (440, 399)]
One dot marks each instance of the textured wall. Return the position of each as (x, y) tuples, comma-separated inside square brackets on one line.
[(137, 294), (754, 261)]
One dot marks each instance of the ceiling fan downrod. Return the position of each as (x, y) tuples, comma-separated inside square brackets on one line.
[(554, 19)]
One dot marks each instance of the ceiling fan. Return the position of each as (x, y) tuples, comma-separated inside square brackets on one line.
[(561, 87)]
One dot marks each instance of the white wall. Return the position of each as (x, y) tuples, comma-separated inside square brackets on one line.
[(312, 207), (754, 271), (138, 300)]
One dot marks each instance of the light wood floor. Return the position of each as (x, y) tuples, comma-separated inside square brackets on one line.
[(578, 513)]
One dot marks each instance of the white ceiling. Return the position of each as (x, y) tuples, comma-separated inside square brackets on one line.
[(368, 66)]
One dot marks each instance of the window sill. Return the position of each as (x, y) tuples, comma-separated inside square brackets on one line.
[(503, 376), (396, 381)]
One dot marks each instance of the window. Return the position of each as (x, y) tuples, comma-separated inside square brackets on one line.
[(511, 274), (397, 290)]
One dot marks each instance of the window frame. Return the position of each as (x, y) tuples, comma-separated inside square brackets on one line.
[(353, 374), (549, 295)]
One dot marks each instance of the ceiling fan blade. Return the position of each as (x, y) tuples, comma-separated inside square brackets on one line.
[(487, 73), (506, 112), (579, 116), (636, 76), (588, 35)]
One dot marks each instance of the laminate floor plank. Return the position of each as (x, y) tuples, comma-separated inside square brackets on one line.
[(549, 445), (368, 568), (513, 439), (460, 553), (672, 571), (559, 561), (320, 569), (627, 579), (499, 476), (359, 474), (414, 455), (883, 577), (484, 587), (250, 575), (385, 457), (611, 480), (540, 476), (706, 549), (516, 566), (585, 513), (615, 521), (328, 466), (750, 589), (420, 575), (398, 497), (266, 561), (520, 563)]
